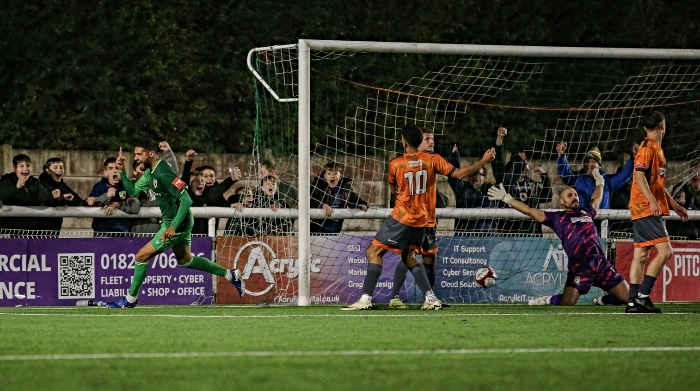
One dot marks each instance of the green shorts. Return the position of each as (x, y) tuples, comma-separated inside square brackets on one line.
[(182, 238)]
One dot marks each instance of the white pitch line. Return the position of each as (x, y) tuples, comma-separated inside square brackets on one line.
[(360, 314), (109, 356)]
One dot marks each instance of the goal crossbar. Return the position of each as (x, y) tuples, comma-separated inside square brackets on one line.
[(500, 50)]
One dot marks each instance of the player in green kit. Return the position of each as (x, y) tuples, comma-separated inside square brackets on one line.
[(175, 231)]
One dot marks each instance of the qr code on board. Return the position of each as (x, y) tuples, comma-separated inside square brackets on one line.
[(76, 276)]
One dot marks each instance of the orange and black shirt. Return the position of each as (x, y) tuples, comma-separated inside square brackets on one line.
[(650, 160), (415, 177)]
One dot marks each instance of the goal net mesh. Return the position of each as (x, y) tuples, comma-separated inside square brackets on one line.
[(360, 101)]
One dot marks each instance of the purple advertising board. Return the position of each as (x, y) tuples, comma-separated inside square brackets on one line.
[(526, 267), (54, 272)]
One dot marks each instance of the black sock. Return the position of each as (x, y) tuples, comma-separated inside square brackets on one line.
[(374, 271), (399, 279), (418, 272), (634, 289), (430, 273), (647, 285)]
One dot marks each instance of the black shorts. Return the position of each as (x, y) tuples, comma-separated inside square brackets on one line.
[(429, 245), (649, 231), (395, 236)]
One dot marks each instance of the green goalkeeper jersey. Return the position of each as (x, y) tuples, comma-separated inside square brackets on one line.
[(171, 193)]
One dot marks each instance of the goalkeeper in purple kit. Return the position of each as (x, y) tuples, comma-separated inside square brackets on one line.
[(588, 266), (176, 229)]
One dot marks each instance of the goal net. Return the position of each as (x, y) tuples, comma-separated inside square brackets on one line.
[(360, 96)]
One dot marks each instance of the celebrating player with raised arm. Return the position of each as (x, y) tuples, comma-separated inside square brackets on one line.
[(176, 229), (587, 263), (413, 177)]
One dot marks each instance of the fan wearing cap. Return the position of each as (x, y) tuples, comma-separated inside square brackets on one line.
[(583, 181)]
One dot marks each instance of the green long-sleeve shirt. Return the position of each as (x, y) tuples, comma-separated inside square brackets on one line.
[(171, 192)]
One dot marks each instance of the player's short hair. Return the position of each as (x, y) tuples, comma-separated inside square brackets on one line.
[(268, 164), (202, 168), (425, 130), (412, 134), (270, 178), (52, 161), (109, 161), (332, 167), (653, 120), (17, 159), (148, 145)]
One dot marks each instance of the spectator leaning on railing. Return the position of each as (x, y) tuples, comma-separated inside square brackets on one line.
[(111, 195), (331, 190), (20, 188), (61, 193)]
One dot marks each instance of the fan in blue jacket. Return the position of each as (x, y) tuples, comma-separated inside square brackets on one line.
[(583, 180)]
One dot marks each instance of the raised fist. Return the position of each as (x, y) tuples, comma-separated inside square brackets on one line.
[(561, 148)]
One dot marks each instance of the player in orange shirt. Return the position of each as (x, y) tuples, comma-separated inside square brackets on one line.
[(649, 200), (413, 177)]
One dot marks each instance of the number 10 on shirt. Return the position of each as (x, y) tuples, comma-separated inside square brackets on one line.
[(417, 181)]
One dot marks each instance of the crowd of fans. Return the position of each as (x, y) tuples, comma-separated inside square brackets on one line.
[(329, 190)]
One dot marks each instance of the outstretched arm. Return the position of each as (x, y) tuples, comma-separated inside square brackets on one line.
[(464, 172), (499, 193)]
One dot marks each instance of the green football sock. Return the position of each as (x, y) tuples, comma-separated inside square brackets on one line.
[(203, 264), (140, 272)]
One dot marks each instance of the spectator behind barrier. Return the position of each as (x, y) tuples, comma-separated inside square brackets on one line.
[(521, 187), (471, 193), (20, 188), (287, 192), (267, 196), (110, 194), (331, 190), (213, 194), (244, 197), (583, 181), (61, 193)]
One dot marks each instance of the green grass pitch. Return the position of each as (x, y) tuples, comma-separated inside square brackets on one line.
[(463, 347)]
